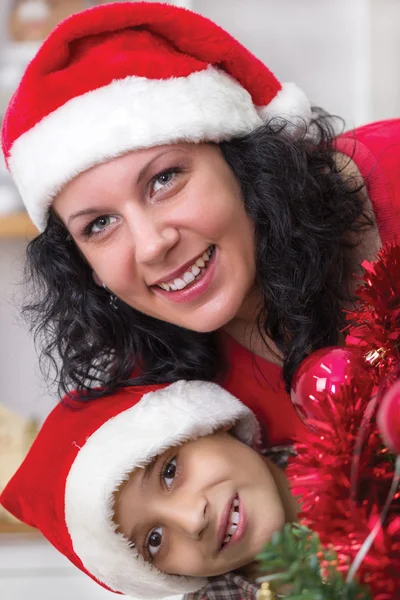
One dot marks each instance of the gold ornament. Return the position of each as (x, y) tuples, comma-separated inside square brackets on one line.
[(265, 592)]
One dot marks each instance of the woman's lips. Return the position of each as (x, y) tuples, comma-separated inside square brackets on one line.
[(178, 273), (194, 290)]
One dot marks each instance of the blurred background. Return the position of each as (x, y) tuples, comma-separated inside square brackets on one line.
[(345, 54)]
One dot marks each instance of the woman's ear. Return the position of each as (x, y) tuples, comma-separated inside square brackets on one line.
[(97, 279)]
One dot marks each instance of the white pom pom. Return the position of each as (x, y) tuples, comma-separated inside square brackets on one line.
[(290, 108)]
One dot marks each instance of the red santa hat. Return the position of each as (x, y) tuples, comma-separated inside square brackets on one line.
[(85, 450), (124, 76)]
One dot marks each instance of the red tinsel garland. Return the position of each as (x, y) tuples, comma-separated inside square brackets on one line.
[(375, 322), (321, 473)]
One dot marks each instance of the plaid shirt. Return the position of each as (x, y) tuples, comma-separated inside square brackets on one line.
[(230, 586)]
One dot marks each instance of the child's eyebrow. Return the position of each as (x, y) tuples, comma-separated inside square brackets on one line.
[(147, 471)]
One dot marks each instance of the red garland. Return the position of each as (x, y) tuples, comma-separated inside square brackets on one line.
[(321, 472), (375, 323)]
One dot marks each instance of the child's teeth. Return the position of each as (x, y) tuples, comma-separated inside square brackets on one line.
[(226, 540), (195, 269), (165, 286), (235, 517), (231, 530), (205, 257), (173, 287), (200, 263), (236, 503)]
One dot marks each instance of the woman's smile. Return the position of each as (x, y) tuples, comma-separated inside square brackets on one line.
[(165, 229), (191, 281)]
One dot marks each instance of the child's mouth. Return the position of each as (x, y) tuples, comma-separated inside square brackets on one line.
[(233, 522)]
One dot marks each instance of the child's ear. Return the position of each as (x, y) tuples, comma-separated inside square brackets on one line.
[(226, 428)]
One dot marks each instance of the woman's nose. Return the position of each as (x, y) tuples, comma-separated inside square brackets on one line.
[(152, 239)]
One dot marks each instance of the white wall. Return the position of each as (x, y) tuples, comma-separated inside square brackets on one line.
[(345, 54), (385, 59), (32, 569), (21, 387)]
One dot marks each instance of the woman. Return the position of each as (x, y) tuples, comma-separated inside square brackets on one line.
[(198, 218)]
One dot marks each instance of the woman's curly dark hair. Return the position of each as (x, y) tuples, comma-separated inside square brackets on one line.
[(307, 218)]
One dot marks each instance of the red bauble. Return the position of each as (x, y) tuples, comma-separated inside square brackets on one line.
[(325, 375), (388, 417)]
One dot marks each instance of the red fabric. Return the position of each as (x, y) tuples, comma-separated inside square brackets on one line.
[(259, 385), (37, 498), (94, 47), (375, 149)]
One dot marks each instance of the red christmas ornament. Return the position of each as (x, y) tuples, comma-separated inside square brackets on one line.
[(388, 417), (324, 376), (344, 472)]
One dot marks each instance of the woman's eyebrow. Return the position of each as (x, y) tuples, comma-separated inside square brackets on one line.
[(142, 173), (147, 166), (83, 213)]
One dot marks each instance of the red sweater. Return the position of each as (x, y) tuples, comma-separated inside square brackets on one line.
[(375, 149)]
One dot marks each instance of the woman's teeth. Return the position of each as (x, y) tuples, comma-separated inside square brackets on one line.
[(194, 272), (233, 522)]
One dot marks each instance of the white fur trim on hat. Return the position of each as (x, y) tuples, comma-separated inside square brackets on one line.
[(125, 115), (291, 105), (162, 419), (134, 113)]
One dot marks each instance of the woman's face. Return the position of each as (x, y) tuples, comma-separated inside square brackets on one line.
[(201, 509), (166, 231)]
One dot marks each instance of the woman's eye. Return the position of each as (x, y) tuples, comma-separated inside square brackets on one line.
[(163, 180), (100, 224), (169, 473), (154, 541)]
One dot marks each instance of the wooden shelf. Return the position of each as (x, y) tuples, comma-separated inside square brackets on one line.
[(9, 528), (17, 225)]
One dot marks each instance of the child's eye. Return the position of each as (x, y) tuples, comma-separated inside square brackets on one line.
[(154, 541), (169, 473)]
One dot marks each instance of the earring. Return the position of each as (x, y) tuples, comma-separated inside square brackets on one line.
[(112, 301)]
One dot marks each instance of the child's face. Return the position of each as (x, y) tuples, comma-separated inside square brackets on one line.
[(178, 510)]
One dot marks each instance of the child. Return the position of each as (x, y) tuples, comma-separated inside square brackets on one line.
[(154, 492)]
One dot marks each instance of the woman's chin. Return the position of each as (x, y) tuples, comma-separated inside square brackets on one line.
[(206, 321)]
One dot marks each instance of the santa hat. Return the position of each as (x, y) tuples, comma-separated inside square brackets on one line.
[(83, 453), (124, 76)]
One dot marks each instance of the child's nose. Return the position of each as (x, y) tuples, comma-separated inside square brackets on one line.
[(190, 515)]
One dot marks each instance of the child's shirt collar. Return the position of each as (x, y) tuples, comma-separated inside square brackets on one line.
[(230, 586)]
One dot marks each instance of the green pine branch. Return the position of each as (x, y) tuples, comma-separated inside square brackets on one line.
[(296, 562)]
